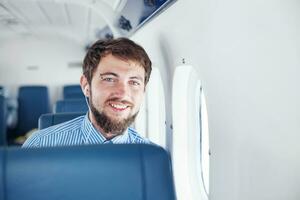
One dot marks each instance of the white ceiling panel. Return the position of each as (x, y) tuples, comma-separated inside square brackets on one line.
[(115, 4), (78, 15), (5, 28), (6, 16), (41, 17), (97, 23), (97, 20), (55, 12), (3, 11), (12, 15), (19, 28), (67, 13), (30, 10)]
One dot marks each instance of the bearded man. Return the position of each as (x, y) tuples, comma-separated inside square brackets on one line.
[(115, 75)]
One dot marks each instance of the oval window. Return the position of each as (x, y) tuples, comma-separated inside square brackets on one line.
[(190, 135)]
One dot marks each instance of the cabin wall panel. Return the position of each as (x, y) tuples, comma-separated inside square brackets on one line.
[(247, 55)]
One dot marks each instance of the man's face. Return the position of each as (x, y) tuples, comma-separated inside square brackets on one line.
[(116, 93)]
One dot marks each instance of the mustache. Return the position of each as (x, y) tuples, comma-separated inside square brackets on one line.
[(120, 100)]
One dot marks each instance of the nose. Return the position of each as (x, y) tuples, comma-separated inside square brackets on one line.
[(121, 90)]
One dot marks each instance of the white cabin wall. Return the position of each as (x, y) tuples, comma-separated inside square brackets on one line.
[(50, 54), (166, 43), (247, 54)]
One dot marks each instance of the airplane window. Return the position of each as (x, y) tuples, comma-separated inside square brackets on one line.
[(190, 149), (204, 141), (150, 121)]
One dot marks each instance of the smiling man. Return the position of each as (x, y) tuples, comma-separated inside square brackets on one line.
[(115, 74)]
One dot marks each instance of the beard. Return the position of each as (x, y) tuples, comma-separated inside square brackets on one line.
[(108, 124)]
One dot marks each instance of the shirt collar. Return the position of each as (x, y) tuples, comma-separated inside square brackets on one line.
[(93, 136)]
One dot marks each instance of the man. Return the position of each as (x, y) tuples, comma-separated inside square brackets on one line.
[(115, 74)]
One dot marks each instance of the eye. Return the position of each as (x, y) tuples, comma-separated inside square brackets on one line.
[(135, 83), (108, 79)]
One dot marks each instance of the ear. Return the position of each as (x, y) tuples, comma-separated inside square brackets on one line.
[(85, 87)]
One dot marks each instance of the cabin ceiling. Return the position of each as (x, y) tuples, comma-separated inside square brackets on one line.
[(72, 19)]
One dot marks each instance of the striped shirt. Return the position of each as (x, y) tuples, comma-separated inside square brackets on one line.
[(79, 131)]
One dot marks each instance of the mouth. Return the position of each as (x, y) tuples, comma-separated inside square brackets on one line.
[(118, 106)]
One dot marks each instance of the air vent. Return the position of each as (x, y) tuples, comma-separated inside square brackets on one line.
[(32, 67), (77, 64)]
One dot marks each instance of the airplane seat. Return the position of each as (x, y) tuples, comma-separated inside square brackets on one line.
[(33, 102), (111, 172), (70, 105), (72, 92), (51, 119), (1, 90), (2, 177), (2, 121)]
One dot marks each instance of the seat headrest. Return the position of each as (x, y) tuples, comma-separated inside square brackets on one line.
[(51, 119)]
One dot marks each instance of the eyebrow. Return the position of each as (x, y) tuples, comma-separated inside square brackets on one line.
[(137, 77), (116, 75), (109, 74)]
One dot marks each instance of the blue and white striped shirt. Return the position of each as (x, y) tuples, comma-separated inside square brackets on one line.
[(79, 131)]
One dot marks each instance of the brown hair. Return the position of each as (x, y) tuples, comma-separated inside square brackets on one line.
[(122, 48)]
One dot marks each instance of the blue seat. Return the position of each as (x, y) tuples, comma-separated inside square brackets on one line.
[(2, 171), (71, 105), (2, 121), (108, 172), (51, 119), (33, 102), (72, 92), (1, 90)]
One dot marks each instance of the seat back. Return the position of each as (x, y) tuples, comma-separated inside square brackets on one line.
[(72, 92), (33, 102), (2, 121), (2, 171), (51, 119), (111, 172), (1, 90), (71, 105)]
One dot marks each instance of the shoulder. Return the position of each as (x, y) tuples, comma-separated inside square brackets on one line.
[(136, 138), (48, 135)]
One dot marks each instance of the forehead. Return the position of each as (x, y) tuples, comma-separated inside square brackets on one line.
[(111, 63)]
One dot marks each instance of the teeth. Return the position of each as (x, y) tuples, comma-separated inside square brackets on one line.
[(118, 106)]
